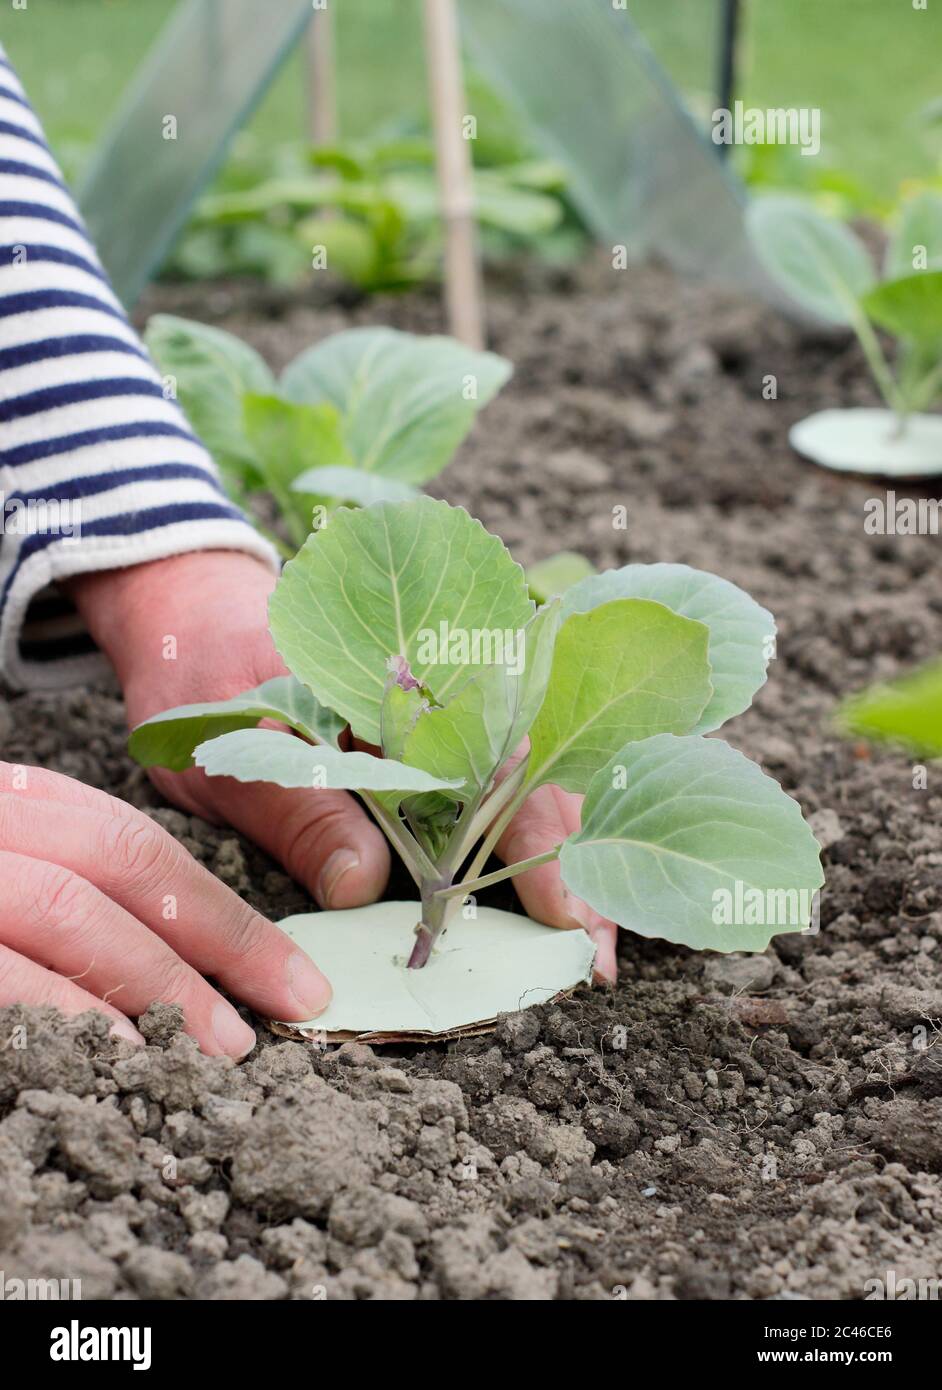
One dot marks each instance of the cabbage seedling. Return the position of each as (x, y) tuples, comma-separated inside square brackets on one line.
[(906, 711), (829, 272), (370, 211), (365, 416), (411, 626)]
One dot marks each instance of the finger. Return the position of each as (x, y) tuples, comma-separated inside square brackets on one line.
[(323, 838), (63, 922), (22, 981), (38, 783), (545, 820), (605, 936), (134, 862)]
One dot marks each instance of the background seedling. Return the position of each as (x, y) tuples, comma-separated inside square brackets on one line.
[(373, 209), (827, 268), (411, 625), (906, 711), (364, 416)]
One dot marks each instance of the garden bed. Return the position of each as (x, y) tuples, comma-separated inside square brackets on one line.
[(714, 1127)]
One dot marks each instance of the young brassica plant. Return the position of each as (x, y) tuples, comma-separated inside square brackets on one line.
[(365, 416), (369, 212), (829, 272), (411, 626), (906, 711)]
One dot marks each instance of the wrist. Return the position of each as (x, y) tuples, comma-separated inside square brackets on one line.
[(141, 605)]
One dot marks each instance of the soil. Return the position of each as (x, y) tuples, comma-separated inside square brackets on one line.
[(714, 1127)]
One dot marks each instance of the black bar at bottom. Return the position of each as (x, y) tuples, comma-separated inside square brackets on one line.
[(160, 1338)]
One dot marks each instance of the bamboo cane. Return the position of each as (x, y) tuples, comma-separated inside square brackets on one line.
[(463, 295), (322, 91)]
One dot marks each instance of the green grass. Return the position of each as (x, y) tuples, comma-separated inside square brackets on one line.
[(870, 65)]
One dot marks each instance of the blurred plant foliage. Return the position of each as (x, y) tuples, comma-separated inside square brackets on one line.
[(365, 416), (367, 212), (767, 168), (829, 270), (907, 711), (834, 190)]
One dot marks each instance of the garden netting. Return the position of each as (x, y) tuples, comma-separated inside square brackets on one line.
[(197, 86)]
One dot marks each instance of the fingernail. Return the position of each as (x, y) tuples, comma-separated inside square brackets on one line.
[(338, 864), (310, 988), (123, 1028), (233, 1036)]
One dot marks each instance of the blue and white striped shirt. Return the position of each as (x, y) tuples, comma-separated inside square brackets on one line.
[(84, 423)]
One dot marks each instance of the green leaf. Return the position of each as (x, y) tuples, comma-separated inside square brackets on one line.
[(431, 814), (906, 711), (919, 226), (265, 755), (407, 402), (286, 438), (499, 202), (351, 484), (520, 211), (271, 253), (819, 261), (910, 307), (543, 175), (338, 158), (169, 738), (177, 339), (349, 247), (472, 736), (625, 670), (741, 632), (382, 582), (670, 828), (252, 203), (409, 149), (213, 370), (557, 573), (400, 709)]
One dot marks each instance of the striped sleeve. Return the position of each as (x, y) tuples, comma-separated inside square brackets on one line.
[(97, 469)]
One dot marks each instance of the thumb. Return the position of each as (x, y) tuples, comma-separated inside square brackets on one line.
[(323, 838), (547, 818)]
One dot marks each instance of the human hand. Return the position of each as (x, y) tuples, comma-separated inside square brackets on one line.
[(193, 628), (213, 605), (102, 909)]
